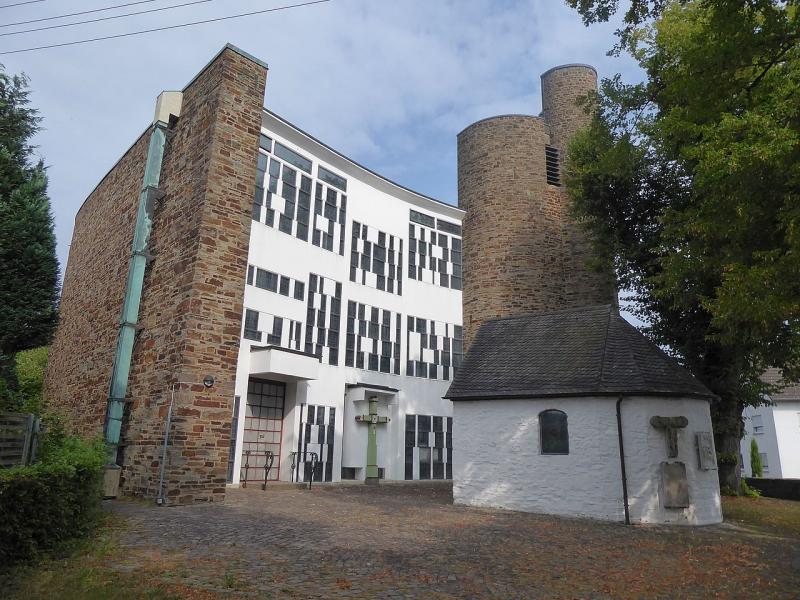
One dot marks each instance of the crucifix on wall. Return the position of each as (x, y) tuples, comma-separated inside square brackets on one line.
[(670, 425), (373, 420)]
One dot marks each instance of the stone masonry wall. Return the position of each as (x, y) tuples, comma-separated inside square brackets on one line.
[(523, 253), (81, 355), (191, 306)]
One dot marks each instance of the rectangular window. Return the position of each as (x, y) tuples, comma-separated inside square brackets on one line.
[(422, 219), (251, 331), (299, 290), (764, 462), (265, 143), (447, 227), (284, 286), (758, 425), (292, 157), (331, 178)]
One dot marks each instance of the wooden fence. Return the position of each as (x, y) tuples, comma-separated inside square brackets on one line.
[(19, 437)]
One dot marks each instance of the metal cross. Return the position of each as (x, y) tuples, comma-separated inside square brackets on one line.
[(373, 420)]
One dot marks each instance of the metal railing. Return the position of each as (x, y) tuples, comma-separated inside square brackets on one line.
[(314, 460), (269, 460)]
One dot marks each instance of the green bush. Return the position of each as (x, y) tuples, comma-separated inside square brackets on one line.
[(51, 501), (26, 397)]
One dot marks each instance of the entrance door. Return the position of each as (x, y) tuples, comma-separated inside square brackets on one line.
[(263, 430)]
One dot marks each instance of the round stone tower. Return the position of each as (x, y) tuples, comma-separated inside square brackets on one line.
[(522, 252)]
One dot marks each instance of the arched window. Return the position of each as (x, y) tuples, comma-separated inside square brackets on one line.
[(553, 432)]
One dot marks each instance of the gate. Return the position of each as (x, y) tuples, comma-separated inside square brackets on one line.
[(263, 431)]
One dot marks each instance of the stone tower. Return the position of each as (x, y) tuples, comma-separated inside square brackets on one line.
[(522, 252)]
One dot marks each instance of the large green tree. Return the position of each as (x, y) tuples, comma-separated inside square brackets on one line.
[(28, 263), (690, 184)]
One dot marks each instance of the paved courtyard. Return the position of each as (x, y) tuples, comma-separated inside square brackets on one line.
[(409, 541)]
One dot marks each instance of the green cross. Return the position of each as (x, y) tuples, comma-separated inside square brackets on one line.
[(373, 420)]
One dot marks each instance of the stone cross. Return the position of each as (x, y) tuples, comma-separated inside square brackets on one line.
[(373, 420), (670, 425)]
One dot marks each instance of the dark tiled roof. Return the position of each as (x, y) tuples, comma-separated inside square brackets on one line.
[(579, 352), (790, 392)]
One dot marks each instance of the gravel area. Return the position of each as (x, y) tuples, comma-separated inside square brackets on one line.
[(409, 541)]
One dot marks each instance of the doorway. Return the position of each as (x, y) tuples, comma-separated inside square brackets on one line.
[(263, 431)]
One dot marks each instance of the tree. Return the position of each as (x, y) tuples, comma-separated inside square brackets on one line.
[(28, 263), (755, 459), (689, 182)]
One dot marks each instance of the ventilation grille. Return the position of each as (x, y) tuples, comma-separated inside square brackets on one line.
[(551, 160)]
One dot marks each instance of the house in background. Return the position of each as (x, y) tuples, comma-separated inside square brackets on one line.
[(776, 430)]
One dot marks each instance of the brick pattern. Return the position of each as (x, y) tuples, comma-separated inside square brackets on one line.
[(191, 307), (81, 356), (522, 251)]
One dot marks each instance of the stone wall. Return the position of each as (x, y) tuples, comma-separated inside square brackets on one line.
[(523, 253), (81, 355), (191, 306)]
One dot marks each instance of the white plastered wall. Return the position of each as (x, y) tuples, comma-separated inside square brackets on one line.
[(381, 206), (497, 459)]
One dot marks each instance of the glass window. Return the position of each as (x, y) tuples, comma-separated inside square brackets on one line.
[(299, 290), (764, 462), (331, 178), (553, 432), (758, 425), (422, 219), (292, 157)]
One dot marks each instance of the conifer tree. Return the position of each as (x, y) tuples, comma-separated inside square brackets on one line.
[(28, 264)]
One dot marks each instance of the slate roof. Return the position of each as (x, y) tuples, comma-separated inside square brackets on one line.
[(588, 351), (790, 392)]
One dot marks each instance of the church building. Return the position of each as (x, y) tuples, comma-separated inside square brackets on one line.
[(561, 406), (245, 305), (319, 302)]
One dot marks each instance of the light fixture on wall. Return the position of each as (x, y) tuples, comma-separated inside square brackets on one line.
[(208, 383)]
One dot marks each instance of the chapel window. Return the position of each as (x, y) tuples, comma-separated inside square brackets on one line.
[(553, 433)]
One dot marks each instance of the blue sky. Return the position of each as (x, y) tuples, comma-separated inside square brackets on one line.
[(387, 82)]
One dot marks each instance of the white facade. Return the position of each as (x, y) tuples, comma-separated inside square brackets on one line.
[(305, 280), (776, 429), (499, 464)]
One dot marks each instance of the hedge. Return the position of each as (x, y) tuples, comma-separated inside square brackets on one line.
[(52, 501)]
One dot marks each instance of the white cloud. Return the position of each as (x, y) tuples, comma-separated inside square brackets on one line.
[(389, 83)]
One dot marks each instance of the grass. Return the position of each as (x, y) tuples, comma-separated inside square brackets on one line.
[(82, 572), (777, 516)]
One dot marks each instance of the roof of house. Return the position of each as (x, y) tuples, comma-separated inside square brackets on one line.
[(588, 351), (790, 392)]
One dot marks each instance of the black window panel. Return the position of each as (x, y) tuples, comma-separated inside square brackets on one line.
[(424, 463), (422, 219), (553, 432), (360, 360), (285, 224), (411, 422), (284, 286), (424, 422), (331, 178), (373, 362), (409, 463), (250, 272), (422, 439), (265, 142), (438, 424), (299, 290), (292, 157), (251, 320)]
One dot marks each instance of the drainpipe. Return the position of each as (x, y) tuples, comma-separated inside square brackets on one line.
[(622, 461), (168, 103)]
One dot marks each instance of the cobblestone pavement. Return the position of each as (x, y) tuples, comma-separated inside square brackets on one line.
[(409, 541)]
